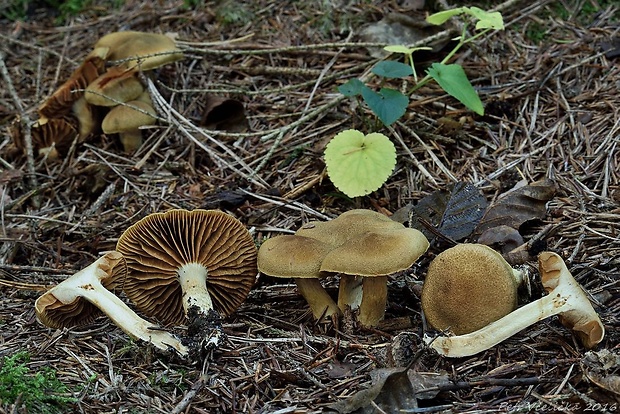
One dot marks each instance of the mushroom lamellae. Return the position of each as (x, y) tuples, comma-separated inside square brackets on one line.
[(564, 298), (68, 303), (189, 266)]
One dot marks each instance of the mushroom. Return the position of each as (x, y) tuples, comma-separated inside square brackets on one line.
[(564, 298), (61, 101), (299, 257), (126, 120), (82, 297), (467, 287), (371, 257), (194, 265), (53, 137), (366, 247), (117, 84), (148, 50)]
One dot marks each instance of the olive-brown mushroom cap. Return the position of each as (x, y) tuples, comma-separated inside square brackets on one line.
[(123, 118), (157, 246), (377, 253), (292, 256), (467, 287), (117, 84), (347, 226), (129, 44)]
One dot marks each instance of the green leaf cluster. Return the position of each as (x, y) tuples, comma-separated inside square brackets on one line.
[(39, 392), (389, 104)]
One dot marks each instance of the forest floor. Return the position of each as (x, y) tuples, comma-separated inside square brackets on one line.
[(550, 83)]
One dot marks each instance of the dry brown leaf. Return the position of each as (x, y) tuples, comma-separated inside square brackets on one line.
[(517, 206), (454, 213), (393, 390)]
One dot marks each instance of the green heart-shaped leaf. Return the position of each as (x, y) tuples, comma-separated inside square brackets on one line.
[(453, 80), (388, 104), (351, 88), (486, 20), (359, 164), (392, 69)]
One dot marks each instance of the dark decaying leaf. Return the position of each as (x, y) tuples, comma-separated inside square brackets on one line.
[(503, 238), (518, 206), (601, 368), (453, 213), (224, 114), (393, 390)]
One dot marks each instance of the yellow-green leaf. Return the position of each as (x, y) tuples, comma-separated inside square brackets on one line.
[(359, 164)]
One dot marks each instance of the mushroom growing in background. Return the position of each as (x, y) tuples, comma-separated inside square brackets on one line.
[(61, 101), (126, 120), (189, 265), (565, 298), (52, 137), (82, 297), (299, 258), (467, 287), (146, 50)]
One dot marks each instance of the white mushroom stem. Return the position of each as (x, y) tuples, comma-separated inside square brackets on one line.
[(374, 300), (349, 292), (87, 284), (565, 298), (368, 294), (193, 280), (322, 305)]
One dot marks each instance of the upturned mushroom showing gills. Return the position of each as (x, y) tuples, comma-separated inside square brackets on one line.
[(564, 298), (467, 287), (82, 297), (189, 266)]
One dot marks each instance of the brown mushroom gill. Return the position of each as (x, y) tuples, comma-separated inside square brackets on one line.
[(181, 259)]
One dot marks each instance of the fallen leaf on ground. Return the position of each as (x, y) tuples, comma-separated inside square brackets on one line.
[(393, 390), (453, 213), (517, 206)]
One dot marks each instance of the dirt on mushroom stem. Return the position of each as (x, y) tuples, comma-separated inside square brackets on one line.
[(204, 332)]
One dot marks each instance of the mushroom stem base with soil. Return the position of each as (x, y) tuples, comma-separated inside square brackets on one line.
[(205, 324), (565, 298), (322, 305)]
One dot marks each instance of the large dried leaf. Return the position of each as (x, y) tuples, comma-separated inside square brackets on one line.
[(601, 368), (517, 206), (393, 390), (454, 213)]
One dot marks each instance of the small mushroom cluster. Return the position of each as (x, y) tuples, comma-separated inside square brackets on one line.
[(177, 267), (471, 291), (74, 110), (362, 246)]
